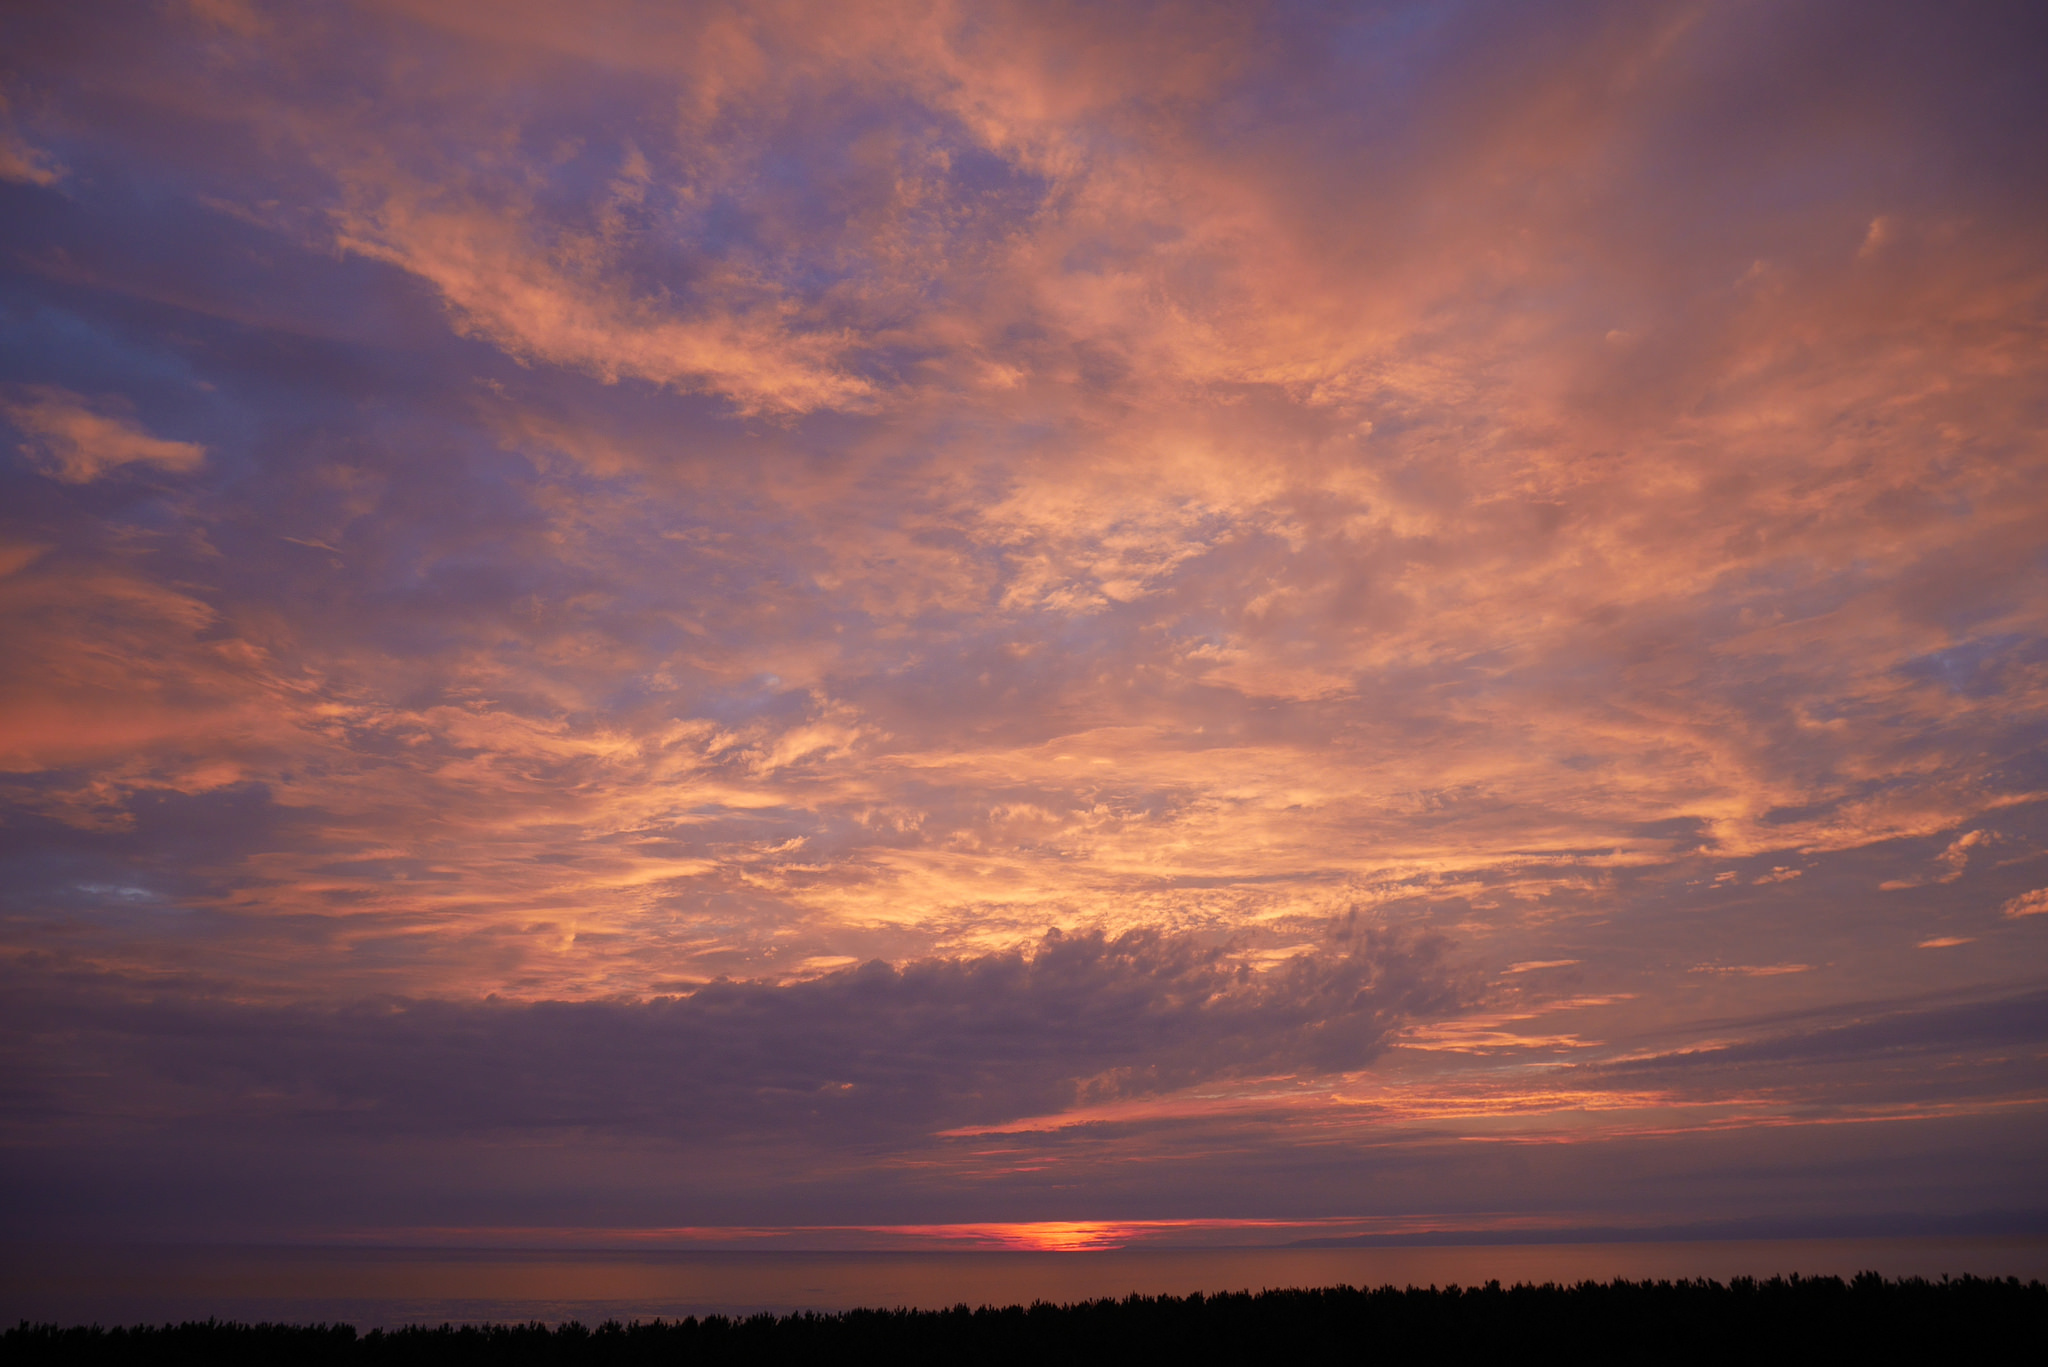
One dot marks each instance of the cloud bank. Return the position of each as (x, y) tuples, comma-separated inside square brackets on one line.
[(863, 1052)]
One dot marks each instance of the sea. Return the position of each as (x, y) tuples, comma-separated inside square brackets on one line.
[(391, 1287)]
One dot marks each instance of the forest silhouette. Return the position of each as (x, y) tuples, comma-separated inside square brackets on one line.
[(1812, 1319)]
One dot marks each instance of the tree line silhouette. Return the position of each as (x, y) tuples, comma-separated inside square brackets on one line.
[(1807, 1319)]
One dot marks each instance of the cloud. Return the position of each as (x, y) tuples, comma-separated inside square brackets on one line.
[(1888, 1031), (78, 442), (1215, 592), (21, 162), (2033, 903), (1955, 859), (746, 343), (866, 1051)]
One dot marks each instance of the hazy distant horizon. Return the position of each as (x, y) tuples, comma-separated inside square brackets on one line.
[(390, 1288)]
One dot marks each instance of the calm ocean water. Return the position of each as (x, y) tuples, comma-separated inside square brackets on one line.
[(389, 1287)]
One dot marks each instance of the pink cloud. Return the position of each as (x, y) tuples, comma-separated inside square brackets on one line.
[(78, 442)]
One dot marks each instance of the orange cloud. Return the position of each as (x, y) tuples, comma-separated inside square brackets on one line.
[(2033, 903), (78, 442), (19, 160)]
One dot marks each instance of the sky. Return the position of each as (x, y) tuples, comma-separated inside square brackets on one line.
[(1039, 625)]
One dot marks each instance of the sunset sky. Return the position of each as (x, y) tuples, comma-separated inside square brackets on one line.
[(842, 625)]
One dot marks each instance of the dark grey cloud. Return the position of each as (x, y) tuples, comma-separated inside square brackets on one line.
[(1894, 1031), (865, 1053)]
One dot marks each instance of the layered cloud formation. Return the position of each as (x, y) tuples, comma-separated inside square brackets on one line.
[(1042, 612)]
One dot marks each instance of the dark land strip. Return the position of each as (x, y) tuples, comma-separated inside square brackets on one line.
[(1808, 1319)]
